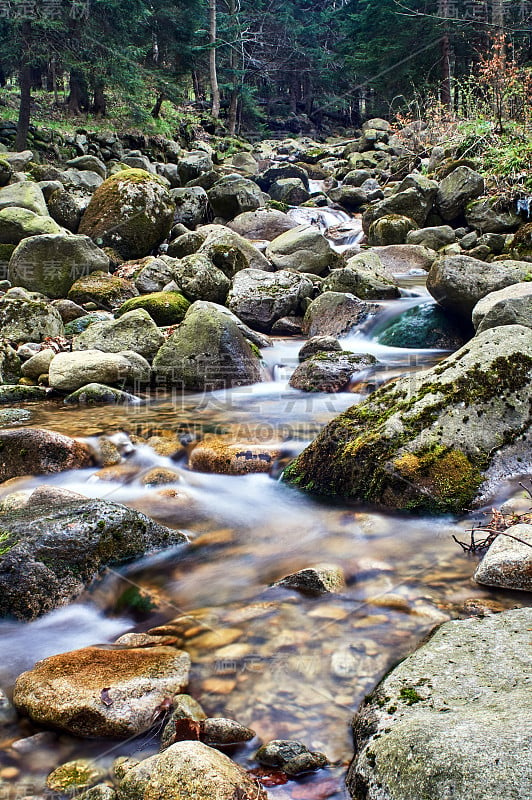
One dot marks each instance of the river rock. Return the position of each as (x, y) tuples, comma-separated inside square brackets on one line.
[(233, 195), (165, 308), (25, 320), (433, 238), (184, 707), (224, 456), (260, 298), (456, 190), (51, 263), (319, 344), (334, 313), (10, 367), (88, 162), (189, 770), (38, 364), (19, 223), (457, 283), (131, 212), (107, 291), (25, 451), (278, 172), (207, 352), (49, 556), (496, 214), (264, 223), (70, 371), (315, 581), (199, 279), (363, 276), (303, 249), (67, 207), (100, 691), (290, 191), (21, 394), (68, 310), (453, 719), (508, 562), (194, 164), (329, 372), (413, 199), (25, 194), (231, 252), (509, 306), (291, 756), (425, 443), (390, 229), (403, 258), (191, 206), (135, 331), (153, 276)]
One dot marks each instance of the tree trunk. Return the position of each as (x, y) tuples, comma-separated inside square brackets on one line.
[(215, 90), (156, 110), (445, 87), (77, 100), (24, 107), (99, 106)]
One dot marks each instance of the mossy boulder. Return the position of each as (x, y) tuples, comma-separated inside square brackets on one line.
[(456, 190), (134, 330), (27, 320), (453, 719), (165, 308), (233, 195), (191, 206), (521, 248), (25, 194), (509, 306), (67, 208), (9, 363), (54, 553), (82, 323), (231, 252), (96, 394), (264, 223), (390, 229), (496, 214), (433, 237), (425, 445), (199, 279), (424, 326), (413, 198), (6, 171), (107, 291), (131, 212), (290, 191), (207, 352), (19, 223), (364, 276), (51, 263), (457, 283), (75, 776)]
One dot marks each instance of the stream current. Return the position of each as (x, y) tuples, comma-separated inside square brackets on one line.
[(285, 665)]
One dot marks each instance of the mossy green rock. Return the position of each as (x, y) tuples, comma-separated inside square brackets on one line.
[(207, 352), (134, 330), (95, 394), (425, 326), (493, 215), (19, 223), (199, 279), (24, 195), (82, 323), (522, 243), (390, 229), (165, 308), (107, 291), (27, 320), (303, 249), (51, 263), (230, 252), (75, 776), (413, 199), (131, 212), (54, 553), (425, 444), (453, 719), (9, 364), (21, 394), (509, 306), (364, 276), (329, 372), (456, 190)]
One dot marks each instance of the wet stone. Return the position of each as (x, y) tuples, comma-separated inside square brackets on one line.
[(74, 776)]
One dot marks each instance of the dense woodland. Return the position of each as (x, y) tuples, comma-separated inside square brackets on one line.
[(266, 64)]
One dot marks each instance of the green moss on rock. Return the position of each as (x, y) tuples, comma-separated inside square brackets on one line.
[(165, 308)]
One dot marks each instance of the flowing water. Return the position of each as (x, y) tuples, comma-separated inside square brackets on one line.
[(285, 665)]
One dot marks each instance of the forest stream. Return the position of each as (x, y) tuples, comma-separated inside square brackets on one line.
[(287, 666)]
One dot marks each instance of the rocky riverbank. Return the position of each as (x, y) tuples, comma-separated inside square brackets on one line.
[(134, 274)]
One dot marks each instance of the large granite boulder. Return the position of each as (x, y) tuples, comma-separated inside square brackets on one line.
[(457, 283), (19, 223), (51, 263), (303, 249), (100, 691), (31, 451), (200, 279), (192, 770), (495, 214), (230, 252), (131, 213), (23, 319), (456, 190), (364, 276), (452, 720), (509, 306), (49, 555), (425, 442), (25, 194), (70, 371), (234, 195), (264, 223), (134, 331), (207, 352), (413, 198), (260, 298), (335, 313)]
